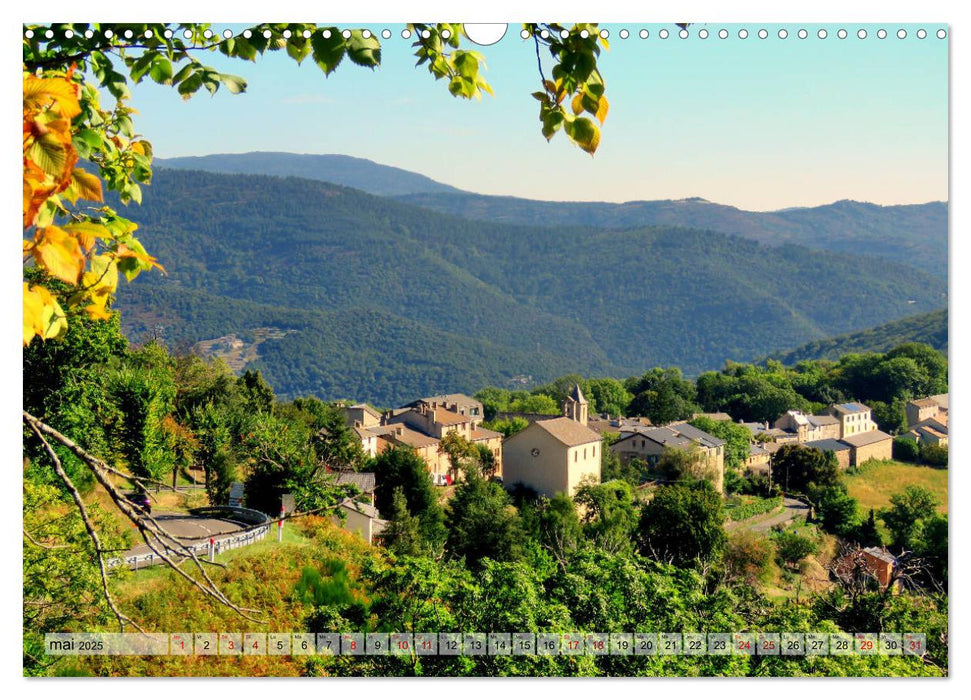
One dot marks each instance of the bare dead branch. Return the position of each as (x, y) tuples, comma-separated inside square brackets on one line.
[(88, 525)]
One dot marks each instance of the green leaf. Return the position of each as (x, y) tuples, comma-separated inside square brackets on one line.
[(328, 51), (161, 70), (584, 133), (188, 87), (298, 49), (364, 51)]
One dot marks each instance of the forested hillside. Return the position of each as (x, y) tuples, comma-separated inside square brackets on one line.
[(509, 300), (912, 234), (923, 328)]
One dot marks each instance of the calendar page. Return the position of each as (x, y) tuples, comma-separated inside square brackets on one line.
[(475, 350)]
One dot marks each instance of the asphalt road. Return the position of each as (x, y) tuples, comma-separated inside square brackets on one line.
[(793, 509), (192, 528)]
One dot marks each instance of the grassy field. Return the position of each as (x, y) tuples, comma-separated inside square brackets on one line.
[(874, 483)]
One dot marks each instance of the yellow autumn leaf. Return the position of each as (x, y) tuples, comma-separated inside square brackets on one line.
[(58, 93), (59, 253), (86, 233), (84, 185), (43, 315), (102, 277), (602, 108)]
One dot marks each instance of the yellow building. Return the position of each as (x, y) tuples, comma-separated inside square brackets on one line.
[(552, 456)]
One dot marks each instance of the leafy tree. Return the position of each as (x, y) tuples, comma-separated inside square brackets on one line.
[(932, 548), (462, 454), (793, 547), (608, 396), (508, 426), (683, 524), (737, 439), (61, 579), (890, 417), (402, 535), (400, 467), (866, 534), (482, 522), (559, 526), (335, 444), (908, 512), (662, 395), (534, 403), (609, 515), (905, 449), (835, 508), (255, 392), (748, 557), (798, 468), (144, 397), (676, 464)]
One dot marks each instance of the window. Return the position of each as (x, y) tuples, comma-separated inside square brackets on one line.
[(594, 450), (575, 454), (584, 452)]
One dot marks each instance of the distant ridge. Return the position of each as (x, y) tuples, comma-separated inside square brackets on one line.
[(912, 234), (359, 173), (929, 328)]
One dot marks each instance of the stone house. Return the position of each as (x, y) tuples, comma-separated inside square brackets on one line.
[(648, 444), (931, 430), (920, 410), (758, 458), (842, 450), (874, 444), (552, 456), (854, 418), (361, 519)]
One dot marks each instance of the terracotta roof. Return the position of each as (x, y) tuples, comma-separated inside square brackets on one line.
[(868, 438), (924, 403), (485, 434), (941, 399), (399, 433), (568, 431), (445, 417), (714, 416)]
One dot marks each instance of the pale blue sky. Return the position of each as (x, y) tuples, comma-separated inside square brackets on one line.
[(757, 123)]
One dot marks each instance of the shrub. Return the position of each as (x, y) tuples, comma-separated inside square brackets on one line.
[(934, 455), (905, 449)]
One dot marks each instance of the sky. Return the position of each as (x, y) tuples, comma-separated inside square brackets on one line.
[(761, 124)]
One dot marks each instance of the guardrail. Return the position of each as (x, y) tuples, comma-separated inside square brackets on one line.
[(245, 515), (242, 538)]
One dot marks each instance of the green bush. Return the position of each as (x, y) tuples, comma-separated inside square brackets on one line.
[(905, 449), (934, 455)]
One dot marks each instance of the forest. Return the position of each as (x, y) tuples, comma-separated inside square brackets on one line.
[(575, 298)]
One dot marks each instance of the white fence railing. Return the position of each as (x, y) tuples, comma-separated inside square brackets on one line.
[(201, 548)]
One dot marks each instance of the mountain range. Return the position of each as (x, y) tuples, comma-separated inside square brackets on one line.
[(333, 291), (914, 234)]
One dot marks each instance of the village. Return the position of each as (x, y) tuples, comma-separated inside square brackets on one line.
[(555, 454)]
